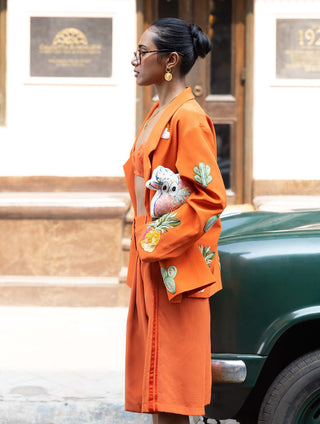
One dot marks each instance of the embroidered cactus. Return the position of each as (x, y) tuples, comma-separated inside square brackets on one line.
[(207, 253), (168, 276), (210, 223), (202, 174)]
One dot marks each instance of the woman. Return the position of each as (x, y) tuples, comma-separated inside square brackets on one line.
[(173, 264)]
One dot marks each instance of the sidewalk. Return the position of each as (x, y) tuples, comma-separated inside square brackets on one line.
[(63, 366)]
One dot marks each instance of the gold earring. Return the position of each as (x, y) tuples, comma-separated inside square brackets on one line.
[(168, 76)]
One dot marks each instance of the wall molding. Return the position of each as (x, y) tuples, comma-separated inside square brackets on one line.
[(54, 183), (286, 187)]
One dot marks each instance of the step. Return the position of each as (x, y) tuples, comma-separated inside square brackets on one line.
[(125, 243), (123, 274), (63, 291), (63, 205), (62, 234)]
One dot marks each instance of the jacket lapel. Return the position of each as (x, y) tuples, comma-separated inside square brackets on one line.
[(159, 127)]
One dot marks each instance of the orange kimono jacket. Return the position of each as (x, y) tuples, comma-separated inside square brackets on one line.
[(184, 242), (174, 268)]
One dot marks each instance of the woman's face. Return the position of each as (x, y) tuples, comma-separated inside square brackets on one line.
[(152, 66)]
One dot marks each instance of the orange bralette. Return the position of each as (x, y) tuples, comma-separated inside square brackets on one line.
[(137, 159)]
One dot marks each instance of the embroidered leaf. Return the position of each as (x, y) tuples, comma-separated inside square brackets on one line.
[(165, 222), (202, 174), (210, 223), (156, 228), (207, 253), (168, 278)]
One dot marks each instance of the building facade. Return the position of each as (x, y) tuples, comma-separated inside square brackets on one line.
[(69, 112)]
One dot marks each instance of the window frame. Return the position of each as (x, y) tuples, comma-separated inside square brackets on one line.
[(3, 60)]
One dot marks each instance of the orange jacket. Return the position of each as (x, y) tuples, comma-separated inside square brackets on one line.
[(184, 242)]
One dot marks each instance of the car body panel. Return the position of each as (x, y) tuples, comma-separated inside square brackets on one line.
[(270, 265), (264, 273)]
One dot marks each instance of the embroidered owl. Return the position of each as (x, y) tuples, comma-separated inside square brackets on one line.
[(171, 192)]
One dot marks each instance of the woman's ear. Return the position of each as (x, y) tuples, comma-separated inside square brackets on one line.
[(173, 59)]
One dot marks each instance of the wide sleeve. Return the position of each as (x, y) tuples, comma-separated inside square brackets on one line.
[(172, 234)]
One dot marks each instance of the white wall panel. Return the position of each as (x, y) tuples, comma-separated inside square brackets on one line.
[(68, 127), (286, 111)]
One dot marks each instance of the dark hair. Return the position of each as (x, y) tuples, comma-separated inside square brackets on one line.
[(188, 40)]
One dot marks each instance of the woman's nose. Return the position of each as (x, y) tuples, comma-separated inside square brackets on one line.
[(136, 59)]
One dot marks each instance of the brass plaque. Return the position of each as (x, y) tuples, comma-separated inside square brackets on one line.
[(298, 48), (70, 47)]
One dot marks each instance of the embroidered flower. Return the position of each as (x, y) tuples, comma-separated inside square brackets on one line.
[(156, 228), (202, 174), (151, 240)]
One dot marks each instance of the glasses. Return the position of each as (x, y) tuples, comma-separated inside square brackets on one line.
[(138, 55)]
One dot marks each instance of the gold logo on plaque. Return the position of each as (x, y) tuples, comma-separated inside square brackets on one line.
[(70, 41), (70, 37), (73, 43)]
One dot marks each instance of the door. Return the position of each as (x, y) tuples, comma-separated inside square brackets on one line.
[(218, 81)]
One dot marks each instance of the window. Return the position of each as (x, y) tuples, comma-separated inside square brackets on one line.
[(220, 20), (223, 134)]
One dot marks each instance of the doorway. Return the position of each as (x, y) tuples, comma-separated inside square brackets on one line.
[(218, 82)]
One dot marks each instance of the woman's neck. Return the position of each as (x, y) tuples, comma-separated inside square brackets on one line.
[(169, 90)]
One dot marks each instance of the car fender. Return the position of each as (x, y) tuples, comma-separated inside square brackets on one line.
[(279, 326)]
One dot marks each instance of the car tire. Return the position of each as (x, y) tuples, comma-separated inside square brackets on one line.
[(294, 396)]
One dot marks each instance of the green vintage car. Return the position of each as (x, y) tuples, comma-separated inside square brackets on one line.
[(266, 320)]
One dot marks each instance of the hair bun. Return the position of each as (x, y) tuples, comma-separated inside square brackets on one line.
[(201, 42)]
